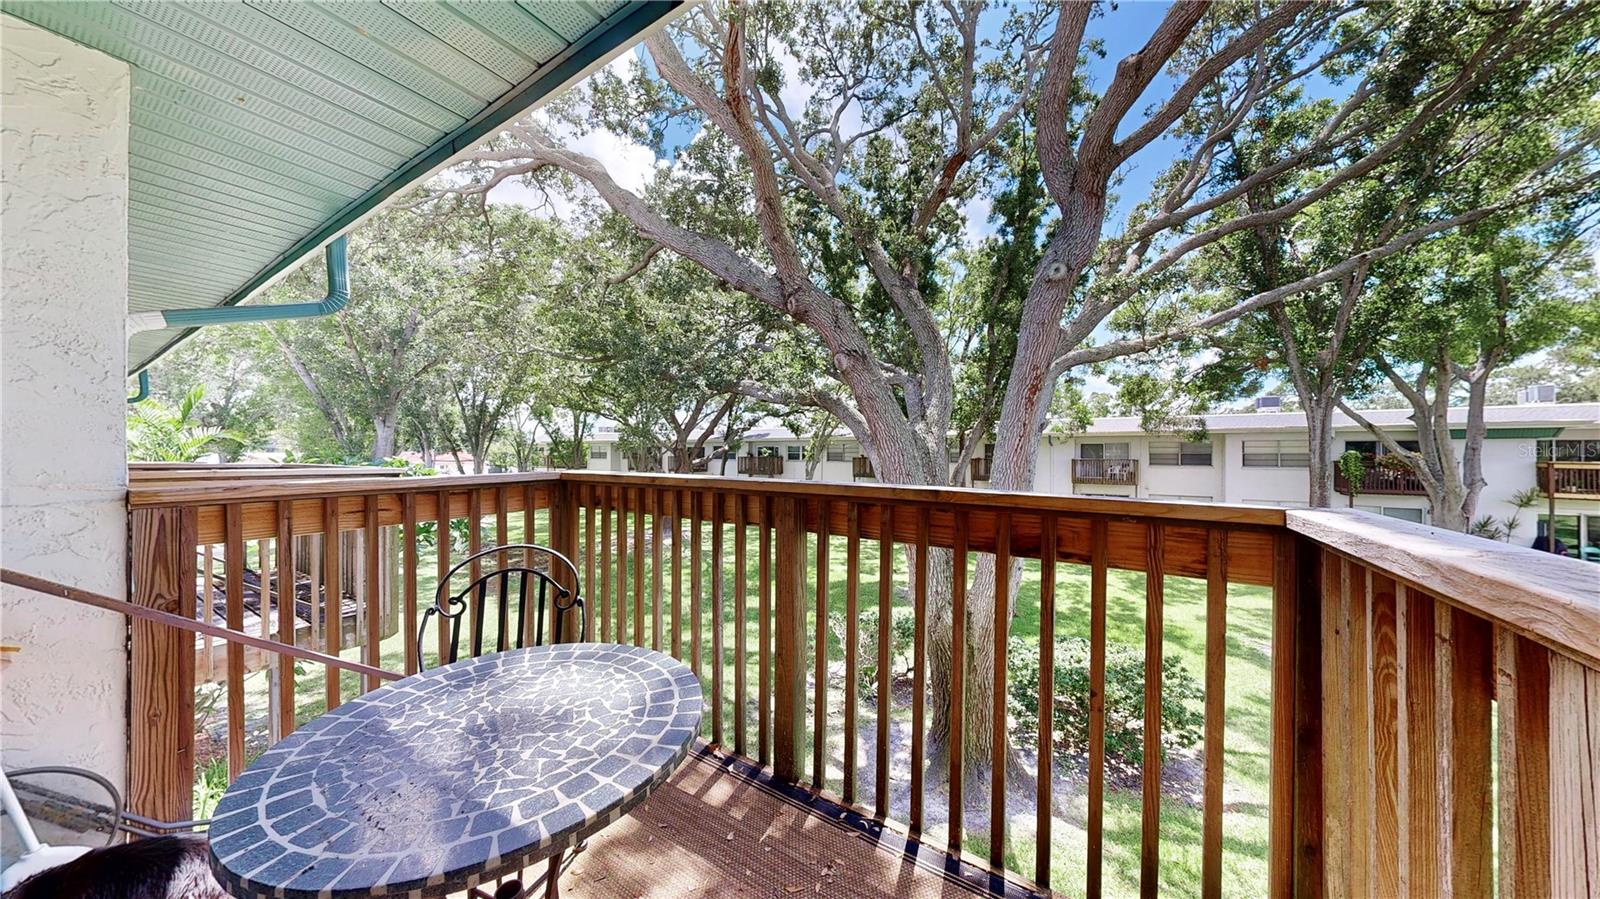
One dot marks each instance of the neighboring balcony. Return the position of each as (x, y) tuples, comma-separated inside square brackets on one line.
[(1116, 472), (1381, 480), (761, 466), (861, 468), (1570, 480), (980, 469)]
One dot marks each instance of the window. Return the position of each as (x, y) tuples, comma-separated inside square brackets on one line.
[(1367, 448), (1100, 450), (1276, 454), (1173, 452), (597, 452), (766, 452), (1570, 450), (1403, 514), (1566, 531), (793, 452), (1181, 497), (835, 452)]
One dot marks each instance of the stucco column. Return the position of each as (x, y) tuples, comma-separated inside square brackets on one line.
[(63, 468)]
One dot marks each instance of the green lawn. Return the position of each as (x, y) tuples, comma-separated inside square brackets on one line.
[(1247, 738)]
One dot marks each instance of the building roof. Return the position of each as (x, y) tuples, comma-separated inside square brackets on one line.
[(259, 132), (1529, 415)]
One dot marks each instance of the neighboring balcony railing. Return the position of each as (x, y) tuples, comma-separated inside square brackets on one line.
[(1577, 480), (761, 466), (1121, 472), (980, 468), (861, 468), (1396, 652), (1381, 479)]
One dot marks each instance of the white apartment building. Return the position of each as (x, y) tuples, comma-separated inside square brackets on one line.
[(1259, 458)]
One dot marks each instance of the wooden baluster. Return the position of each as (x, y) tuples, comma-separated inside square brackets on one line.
[(474, 546), (1383, 688), (408, 578), (1464, 664), (852, 641), (1099, 557), (741, 614), (1361, 795), (1216, 703), (1419, 822), (585, 493), (636, 501), (958, 678), (286, 617), (207, 608), (602, 599), (695, 513), (676, 528), (675, 563), (441, 585), (919, 667), (621, 623), (162, 665), (819, 699), (318, 606), (1522, 696), (332, 596), (233, 566), (263, 590), (657, 534), (1047, 679), (716, 618), (1574, 766), (1150, 775), (372, 652), (789, 622), (997, 712), (764, 632), (885, 618)]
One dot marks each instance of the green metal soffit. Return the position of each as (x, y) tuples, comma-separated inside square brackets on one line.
[(262, 129)]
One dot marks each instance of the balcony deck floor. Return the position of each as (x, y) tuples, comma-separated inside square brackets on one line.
[(717, 828)]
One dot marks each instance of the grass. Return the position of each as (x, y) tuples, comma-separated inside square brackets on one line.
[(1247, 705)]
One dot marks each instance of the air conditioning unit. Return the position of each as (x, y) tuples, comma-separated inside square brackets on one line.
[(1269, 404), (1536, 393)]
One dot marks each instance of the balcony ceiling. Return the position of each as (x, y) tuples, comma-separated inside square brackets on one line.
[(259, 131)]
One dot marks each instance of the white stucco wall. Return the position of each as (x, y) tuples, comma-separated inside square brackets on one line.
[(63, 469)]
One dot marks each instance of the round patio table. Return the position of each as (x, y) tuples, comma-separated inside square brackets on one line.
[(456, 776)]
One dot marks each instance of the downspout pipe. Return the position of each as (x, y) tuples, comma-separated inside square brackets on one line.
[(338, 258), (144, 387)]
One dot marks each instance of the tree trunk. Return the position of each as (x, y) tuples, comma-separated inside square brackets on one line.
[(1319, 437), (385, 430)]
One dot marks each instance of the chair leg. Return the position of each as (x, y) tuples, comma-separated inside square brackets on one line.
[(552, 878)]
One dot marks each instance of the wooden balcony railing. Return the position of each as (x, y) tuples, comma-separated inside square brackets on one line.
[(1122, 472), (980, 468), (861, 468), (1576, 480), (1396, 652), (761, 466), (1380, 479)]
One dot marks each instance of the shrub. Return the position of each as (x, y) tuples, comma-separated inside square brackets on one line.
[(902, 633), (1181, 720)]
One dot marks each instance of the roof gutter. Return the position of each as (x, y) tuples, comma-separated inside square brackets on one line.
[(338, 258)]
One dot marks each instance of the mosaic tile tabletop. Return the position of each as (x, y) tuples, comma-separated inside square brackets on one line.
[(454, 776)]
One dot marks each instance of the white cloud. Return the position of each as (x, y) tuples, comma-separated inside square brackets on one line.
[(976, 212)]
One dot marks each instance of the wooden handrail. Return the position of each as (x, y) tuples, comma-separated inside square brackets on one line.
[(1551, 598), (144, 613)]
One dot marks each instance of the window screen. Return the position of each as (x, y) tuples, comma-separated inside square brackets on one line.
[(1276, 454), (1174, 452)]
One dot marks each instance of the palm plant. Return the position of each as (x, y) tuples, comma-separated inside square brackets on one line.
[(159, 433)]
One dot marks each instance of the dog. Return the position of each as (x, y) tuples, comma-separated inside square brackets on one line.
[(172, 867)]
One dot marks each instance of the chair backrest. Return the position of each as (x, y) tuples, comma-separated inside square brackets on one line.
[(499, 601)]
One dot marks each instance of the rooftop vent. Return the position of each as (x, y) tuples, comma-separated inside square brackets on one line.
[(1269, 404), (1536, 393)]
